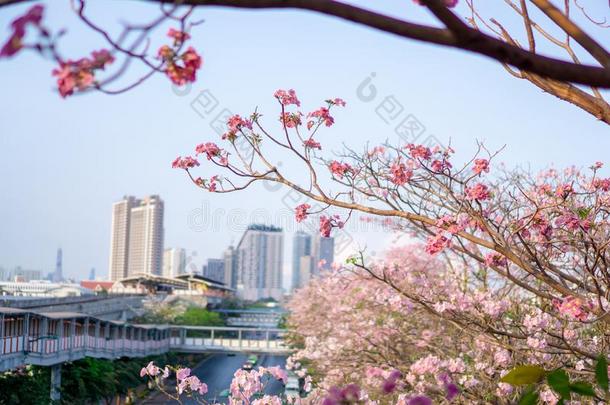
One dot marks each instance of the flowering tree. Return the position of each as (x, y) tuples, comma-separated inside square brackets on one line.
[(245, 387), (528, 253), (471, 32), (412, 329)]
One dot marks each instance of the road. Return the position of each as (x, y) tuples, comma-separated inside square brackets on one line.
[(217, 372)]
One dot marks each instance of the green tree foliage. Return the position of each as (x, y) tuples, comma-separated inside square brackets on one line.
[(196, 316)]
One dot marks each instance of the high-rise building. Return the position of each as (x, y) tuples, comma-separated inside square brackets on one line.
[(174, 262), (136, 244), (260, 256), (146, 237), (19, 274), (92, 273), (215, 270), (301, 246), (119, 237), (230, 267), (323, 252), (306, 269), (58, 273)]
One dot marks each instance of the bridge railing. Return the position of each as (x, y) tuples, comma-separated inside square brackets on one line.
[(206, 338), (51, 338)]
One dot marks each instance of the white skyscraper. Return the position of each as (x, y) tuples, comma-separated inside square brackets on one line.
[(260, 257), (174, 262), (136, 244), (301, 246), (323, 251), (119, 237)]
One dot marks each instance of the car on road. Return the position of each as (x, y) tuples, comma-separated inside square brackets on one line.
[(247, 366), (292, 388)]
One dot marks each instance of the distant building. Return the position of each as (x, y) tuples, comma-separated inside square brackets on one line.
[(146, 237), (323, 251), (307, 269), (230, 267), (301, 246), (260, 257), (92, 273), (24, 275), (97, 286), (58, 273), (5, 274), (41, 289), (174, 262), (215, 270), (136, 244), (119, 237)]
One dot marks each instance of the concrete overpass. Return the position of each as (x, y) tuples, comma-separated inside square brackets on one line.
[(52, 338), (110, 307)]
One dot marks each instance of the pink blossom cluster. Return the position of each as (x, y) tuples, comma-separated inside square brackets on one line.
[(180, 68), (327, 223), (287, 97), (80, 74), (185, 163), (340, 169), (301, 212), (15, 41)]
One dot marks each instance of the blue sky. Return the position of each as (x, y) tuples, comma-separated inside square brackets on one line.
[(64, 162)]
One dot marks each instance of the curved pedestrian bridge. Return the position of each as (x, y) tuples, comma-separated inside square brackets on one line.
[(50, 338)]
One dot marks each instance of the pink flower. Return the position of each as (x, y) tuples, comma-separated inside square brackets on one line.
[(212, 186), (479, 192), (150, 370), (435, 244), (323, 115), (572, 307), (184, 73), (564, 190), (328, 223), (339, 169), (312, 144), (495, 259), (184, 163), (79, 75), (287, 97), (291, 120), (278, 373), (15, 42), (449, 224), (301, 212), (419, 151), (400, 173), (178, 36), (209, 148), (337, 101), (480, 166), (183, 373), (440, 165)]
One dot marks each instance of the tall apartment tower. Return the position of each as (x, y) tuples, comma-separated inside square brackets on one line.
[(174, 262), (301, 246), (323, 251), (215, 270), (136, 242), (119, 237), (146, 237), (260, 258), (58, 273), (230, 259)]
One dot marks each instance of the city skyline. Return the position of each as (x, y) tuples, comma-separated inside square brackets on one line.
[(129, 149)]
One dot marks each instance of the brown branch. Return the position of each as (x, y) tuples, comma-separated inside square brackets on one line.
[(574, 31)]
